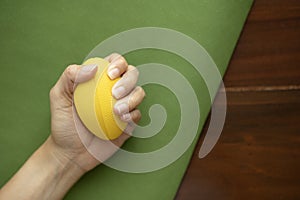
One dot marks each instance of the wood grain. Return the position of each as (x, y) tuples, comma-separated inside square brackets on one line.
[(269, 48), (257, 155)]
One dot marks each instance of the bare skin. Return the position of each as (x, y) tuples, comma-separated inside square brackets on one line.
[(62, 159)]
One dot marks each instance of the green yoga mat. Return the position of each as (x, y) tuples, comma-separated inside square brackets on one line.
[(40, 38)]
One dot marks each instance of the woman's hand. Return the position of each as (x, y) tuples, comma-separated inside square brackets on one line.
[(67, 153), (65, 124)]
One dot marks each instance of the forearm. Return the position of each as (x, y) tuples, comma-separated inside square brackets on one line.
[(45, 175)]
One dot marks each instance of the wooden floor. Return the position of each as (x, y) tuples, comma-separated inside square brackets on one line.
[(258, 154)]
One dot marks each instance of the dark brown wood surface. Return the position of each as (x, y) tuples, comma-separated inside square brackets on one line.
[(258, 153)]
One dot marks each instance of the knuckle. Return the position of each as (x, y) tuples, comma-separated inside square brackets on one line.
[(137, 72), (119, 61), (136, 98), (133, 71), (133, 101), (122, 61), (141, 91), (69, 70), (136, 115), (52, 92), (132, 68), (115, 55)]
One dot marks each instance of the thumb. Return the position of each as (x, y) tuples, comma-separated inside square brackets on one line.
[(73, 75)]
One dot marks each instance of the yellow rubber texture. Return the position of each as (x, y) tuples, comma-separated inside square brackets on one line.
[(104, 103), (94, 103)]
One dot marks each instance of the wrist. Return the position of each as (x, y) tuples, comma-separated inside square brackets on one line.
[(55, 169), (56, 156), (47, 174), (77, 159)]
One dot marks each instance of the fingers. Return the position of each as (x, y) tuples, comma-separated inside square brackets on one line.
[(118, 65), (125, 91), (126, 84), (133, 116), (130, 102), (132, 119), (126, 107)]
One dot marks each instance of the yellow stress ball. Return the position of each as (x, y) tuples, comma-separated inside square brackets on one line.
[(94, 103)]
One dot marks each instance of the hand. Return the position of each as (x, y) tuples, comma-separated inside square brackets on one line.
[(69, 137), (67, 153)]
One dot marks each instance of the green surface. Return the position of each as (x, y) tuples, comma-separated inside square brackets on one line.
[(40, 38)]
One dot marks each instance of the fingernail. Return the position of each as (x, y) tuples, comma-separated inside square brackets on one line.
[(113, 73), (88, 68), (118, 92), (126, 117), (122, 108)]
